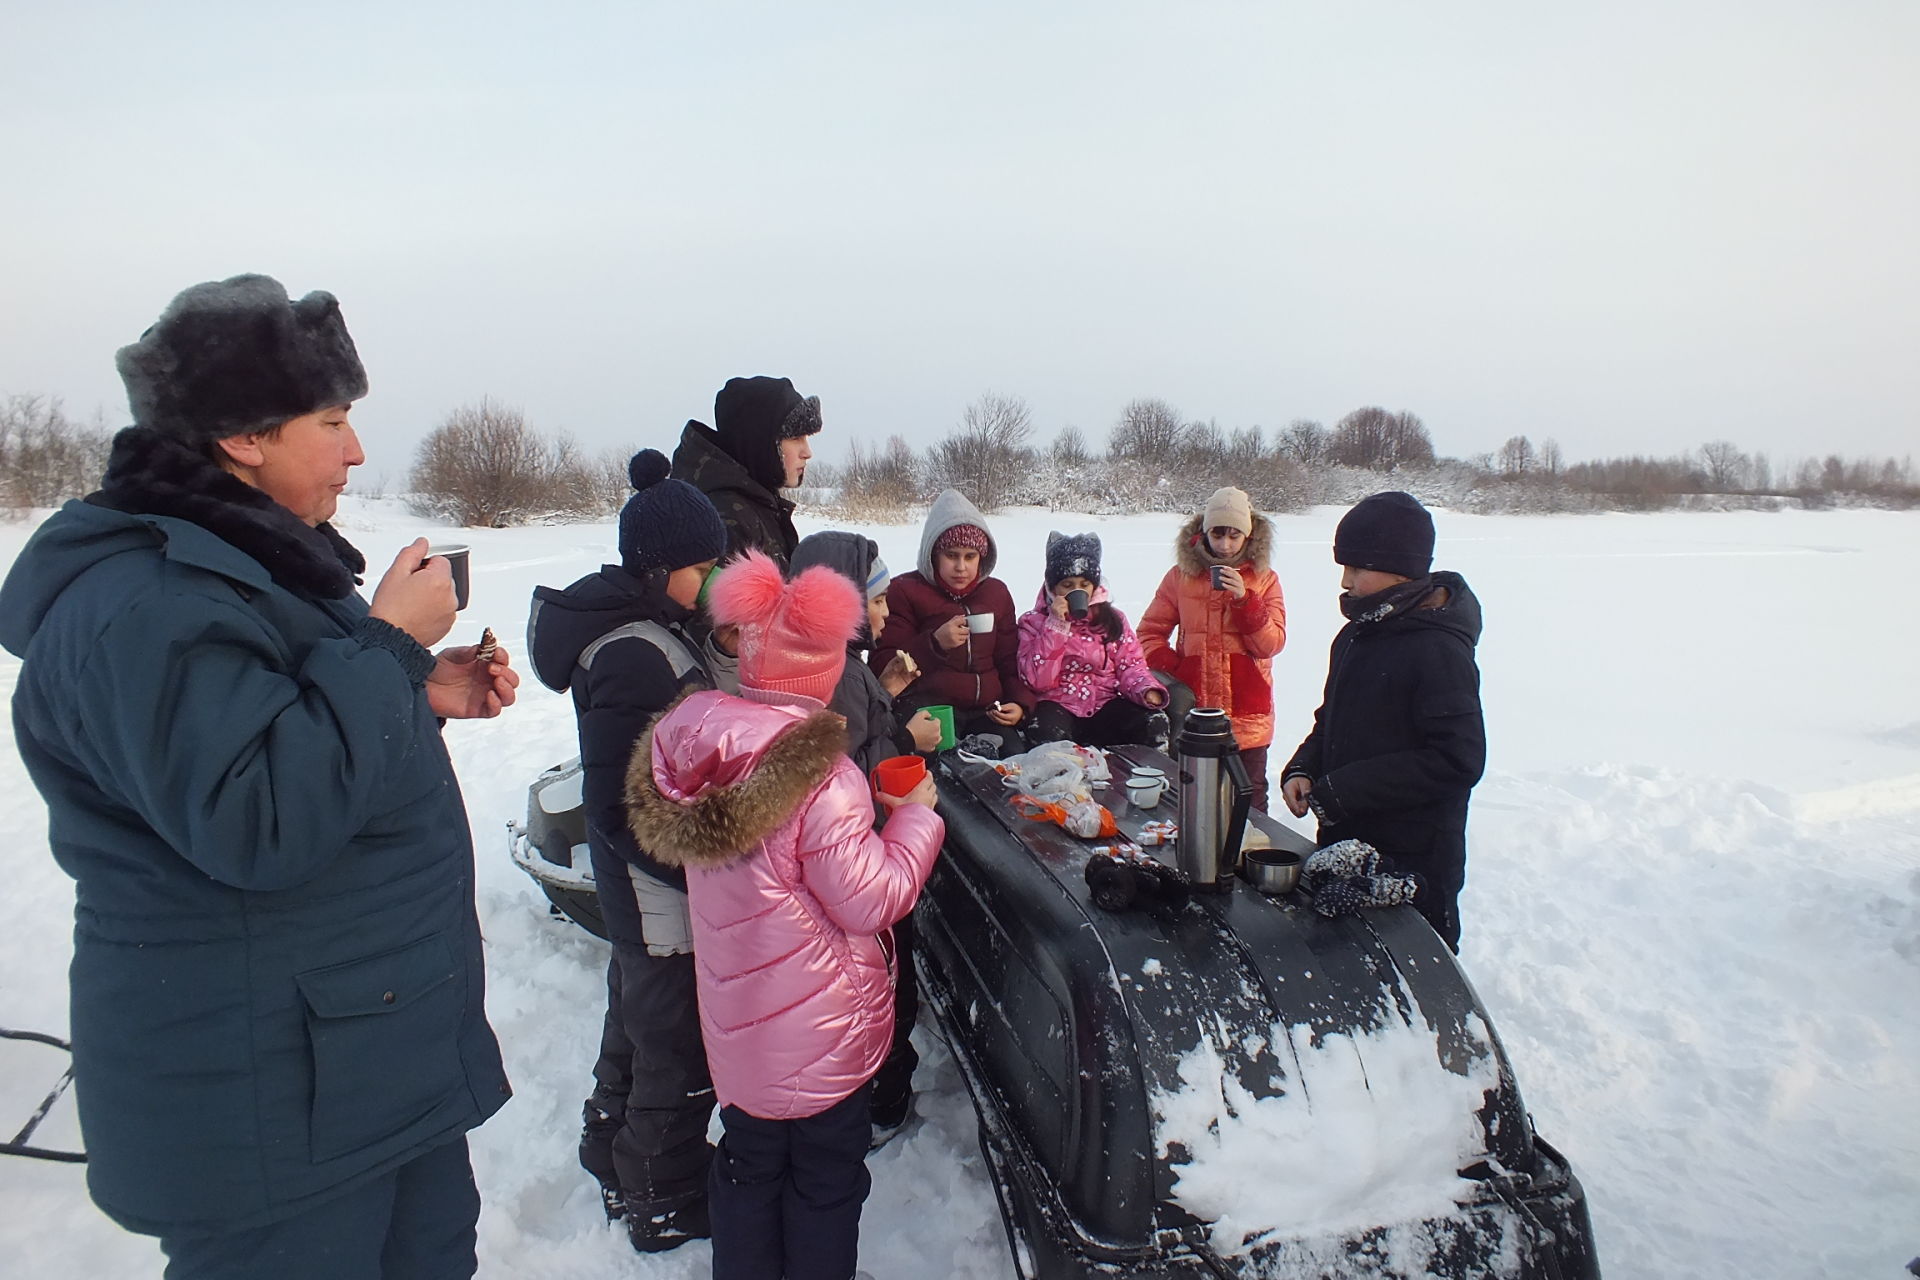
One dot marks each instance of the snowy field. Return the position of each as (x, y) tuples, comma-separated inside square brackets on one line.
[(1693, 906)]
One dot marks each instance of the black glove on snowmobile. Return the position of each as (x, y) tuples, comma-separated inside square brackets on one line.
[(1118, 883)]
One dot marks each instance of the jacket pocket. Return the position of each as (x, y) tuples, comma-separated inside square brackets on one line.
[(385, 1038), (1252, 687)]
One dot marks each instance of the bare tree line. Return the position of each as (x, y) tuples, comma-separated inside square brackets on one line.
[(1157, 459), (484, 465)]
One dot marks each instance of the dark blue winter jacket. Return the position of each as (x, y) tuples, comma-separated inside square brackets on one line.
[(276, 983), (614, 639)]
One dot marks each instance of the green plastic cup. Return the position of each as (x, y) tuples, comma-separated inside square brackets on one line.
[(944, 715)]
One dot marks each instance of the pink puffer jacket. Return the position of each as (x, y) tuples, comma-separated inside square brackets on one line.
[(790, 887), (1071, 661)]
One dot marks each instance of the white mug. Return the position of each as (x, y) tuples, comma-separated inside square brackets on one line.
[(979, 623), (1144, 793)]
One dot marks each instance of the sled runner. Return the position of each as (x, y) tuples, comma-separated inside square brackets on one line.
[(20, 1146)]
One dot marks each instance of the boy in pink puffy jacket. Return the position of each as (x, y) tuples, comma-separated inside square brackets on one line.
[(1085, 668), (792, 894)]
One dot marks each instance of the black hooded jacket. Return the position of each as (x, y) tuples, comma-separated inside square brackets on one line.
[(614, 640), (1398, 741), (755, 515), (873, 734)]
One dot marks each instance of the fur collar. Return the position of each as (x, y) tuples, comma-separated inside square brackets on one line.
[(1191, 553), (728, 823), (153, 474)]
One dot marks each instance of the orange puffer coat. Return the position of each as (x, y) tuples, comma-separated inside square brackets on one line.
[(1225, 649)]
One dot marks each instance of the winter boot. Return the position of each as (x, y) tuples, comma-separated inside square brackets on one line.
[(1157, 731), (657, 1227), (889, 1117)]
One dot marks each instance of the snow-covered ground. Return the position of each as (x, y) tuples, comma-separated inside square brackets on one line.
[(1693, 908)]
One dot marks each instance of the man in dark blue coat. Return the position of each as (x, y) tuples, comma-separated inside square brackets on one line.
[(615, 640), (277, 992), (1398, 742)]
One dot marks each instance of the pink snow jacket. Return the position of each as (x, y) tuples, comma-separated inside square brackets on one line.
[(792, 891), (1071, 661)]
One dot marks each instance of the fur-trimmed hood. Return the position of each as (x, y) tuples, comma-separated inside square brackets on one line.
[(1191, 553), (715, 775)]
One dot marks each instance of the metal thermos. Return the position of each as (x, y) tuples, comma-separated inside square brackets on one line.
[(1214, 796)]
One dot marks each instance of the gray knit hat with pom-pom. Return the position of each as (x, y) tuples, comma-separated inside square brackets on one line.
[(666, 524)]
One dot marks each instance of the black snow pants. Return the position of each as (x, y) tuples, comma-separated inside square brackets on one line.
[(646, 1123)]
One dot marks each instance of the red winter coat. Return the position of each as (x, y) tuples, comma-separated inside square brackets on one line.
[(1225, 649), (791, 890), (983, 669)]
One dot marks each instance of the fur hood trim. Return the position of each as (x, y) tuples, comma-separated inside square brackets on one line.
[(725, 823), (1191, 553)]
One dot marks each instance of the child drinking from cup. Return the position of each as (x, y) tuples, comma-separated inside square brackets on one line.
[(791, 892), (956, 621), (1224, 600), (1081, 659)]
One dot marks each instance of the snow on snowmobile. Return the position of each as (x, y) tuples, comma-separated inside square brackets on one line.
[(1159, 1052)]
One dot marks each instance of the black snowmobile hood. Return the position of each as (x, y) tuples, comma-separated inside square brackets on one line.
[(1459, 616), (563, 623), (703, 462), (81, 535)]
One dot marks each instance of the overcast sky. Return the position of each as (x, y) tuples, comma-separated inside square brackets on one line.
[(1630, 226)]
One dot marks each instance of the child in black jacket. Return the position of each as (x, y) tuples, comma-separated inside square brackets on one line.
[(875, 732), (615, 639), (1398, 741)]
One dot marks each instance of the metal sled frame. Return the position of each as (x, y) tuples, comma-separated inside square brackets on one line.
[(19, 1146)]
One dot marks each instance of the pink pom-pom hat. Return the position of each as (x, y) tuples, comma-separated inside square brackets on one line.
[(793, 635)]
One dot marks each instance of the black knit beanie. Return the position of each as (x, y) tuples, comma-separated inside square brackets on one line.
[(237, 355), (1390, 532), (753, 415), (1073, 555), (666, 524)]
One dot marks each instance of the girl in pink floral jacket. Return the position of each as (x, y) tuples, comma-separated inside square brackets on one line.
[(792, 893), (1085, 668)]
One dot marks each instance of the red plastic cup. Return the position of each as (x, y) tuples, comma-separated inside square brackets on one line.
[(898, 776)]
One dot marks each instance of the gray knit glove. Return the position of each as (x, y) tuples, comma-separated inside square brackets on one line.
[(1339, 862)]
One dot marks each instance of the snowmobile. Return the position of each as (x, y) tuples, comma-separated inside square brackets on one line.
[(1071, 1024)]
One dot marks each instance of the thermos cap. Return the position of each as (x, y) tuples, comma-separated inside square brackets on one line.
[(1207, 732)]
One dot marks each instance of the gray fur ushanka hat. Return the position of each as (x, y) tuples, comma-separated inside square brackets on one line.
[(238, 355)]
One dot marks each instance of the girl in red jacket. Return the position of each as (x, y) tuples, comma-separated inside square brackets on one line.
[(1225, 602), (791, 893)]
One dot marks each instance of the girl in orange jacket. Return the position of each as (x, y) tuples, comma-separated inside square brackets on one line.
[(1225, 601)]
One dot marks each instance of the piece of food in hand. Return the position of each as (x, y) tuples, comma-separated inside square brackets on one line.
[(488, 643)]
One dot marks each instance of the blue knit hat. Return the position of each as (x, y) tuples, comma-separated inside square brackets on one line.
[(666, 524)]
